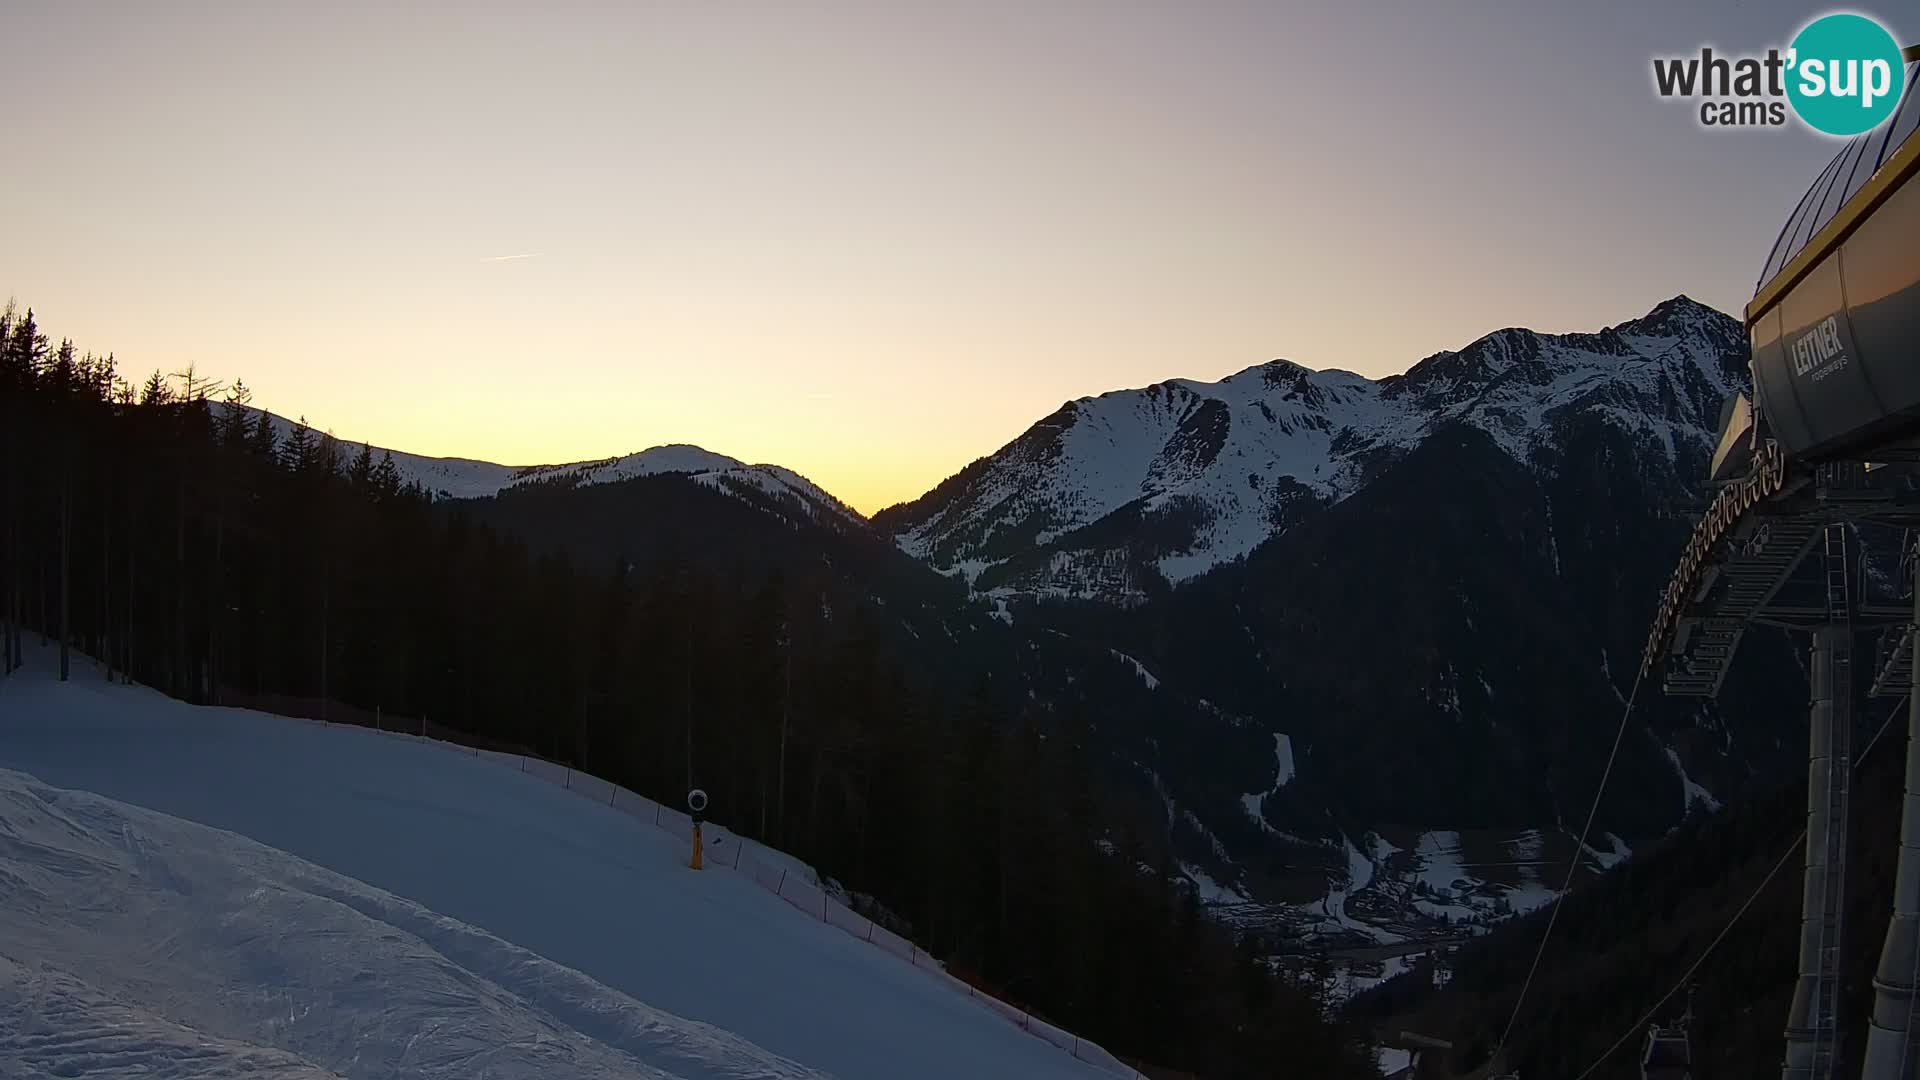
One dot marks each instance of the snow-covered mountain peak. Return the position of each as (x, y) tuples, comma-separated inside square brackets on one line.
[(671, 458), (1171, 479), (1678, 316), (465, 478)]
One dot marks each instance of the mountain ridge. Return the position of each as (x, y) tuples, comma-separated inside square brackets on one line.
[(1295, 399), (470, 478), (1118, 496)]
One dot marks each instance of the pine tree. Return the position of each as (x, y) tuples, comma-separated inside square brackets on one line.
[(262, 442), (386, 478), (234, 426), (25, 350), (326, 459), (102, 378), (156, 391), (64, 372), (361, 476), (296, 455)]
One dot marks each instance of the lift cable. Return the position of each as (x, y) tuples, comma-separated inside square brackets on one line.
[(1640, 1025), (1573, 864)]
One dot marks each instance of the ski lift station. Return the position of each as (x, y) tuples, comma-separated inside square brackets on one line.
[(1828, 443)]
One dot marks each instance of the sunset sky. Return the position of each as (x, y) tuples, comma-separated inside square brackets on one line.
[(870, 241)]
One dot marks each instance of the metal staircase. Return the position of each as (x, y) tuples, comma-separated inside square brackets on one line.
[(1755, 566), (1779, 548)]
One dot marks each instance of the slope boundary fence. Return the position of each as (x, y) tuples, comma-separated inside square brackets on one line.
[(775, 871)]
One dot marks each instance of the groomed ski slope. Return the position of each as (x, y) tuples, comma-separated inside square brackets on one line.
[(133, 942), (530, 932)]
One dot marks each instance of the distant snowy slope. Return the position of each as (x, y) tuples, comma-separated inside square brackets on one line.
[(1111, 493), (463, 478), (599, 901)]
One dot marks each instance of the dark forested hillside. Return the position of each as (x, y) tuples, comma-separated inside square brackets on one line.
[(1629, 938), (1434, 588), (185, 544), (1508, 605)]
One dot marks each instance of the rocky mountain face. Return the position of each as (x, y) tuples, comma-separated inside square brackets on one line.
[(1391, 625), (1116, 497)]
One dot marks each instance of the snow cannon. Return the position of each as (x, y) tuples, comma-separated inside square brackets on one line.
[(696, 808)]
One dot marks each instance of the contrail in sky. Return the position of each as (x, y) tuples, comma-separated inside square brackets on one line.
[(504, 258)]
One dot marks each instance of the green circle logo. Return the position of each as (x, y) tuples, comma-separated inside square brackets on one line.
[(1845, 74)]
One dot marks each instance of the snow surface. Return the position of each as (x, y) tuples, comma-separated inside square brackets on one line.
[(1433, 879), (1382, 849), (1392, 1059), (1211, 891), (1359, 876), (1139, 669), (464, 478), (513, 903), (137, 942), (1359, 867), (1001, 611), (1442, 867), (1531, 894), (1691, 792), (1283, 760), (1351, 978), (1607, 860), (1255, 804)]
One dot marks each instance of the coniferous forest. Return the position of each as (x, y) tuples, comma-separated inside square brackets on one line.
[(158, 531), (1707, 919)]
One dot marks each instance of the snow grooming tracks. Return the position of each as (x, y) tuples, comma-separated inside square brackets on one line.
[(785, 877), (266, 966)]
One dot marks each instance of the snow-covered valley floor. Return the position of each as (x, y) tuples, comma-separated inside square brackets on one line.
[(191, 892)]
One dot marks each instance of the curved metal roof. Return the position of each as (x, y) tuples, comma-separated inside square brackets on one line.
[(1849, 170)]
